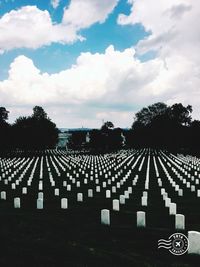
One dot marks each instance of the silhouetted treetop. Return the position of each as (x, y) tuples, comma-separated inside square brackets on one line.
[(39, 113), (3, 114), (107, 126), (36, 131), (180, 114), (147, 114)]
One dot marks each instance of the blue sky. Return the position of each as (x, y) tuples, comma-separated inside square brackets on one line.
[(88, 60), (98, 38)]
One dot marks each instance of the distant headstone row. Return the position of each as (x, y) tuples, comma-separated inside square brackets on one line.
[(156, 188)]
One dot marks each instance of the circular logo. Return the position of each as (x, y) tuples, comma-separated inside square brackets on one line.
[(179, 244)]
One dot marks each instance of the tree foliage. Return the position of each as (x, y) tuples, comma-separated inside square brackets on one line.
[(163, 126), (36, 131), (107, 138), (4, 129), (3, 115), (146, 115), (108, 125), (39, 113)]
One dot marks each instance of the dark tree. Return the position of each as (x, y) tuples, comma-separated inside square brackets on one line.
[(162, 126), (5, 131), (36, 131), (3, 115), (146, 115), (77, 140), (108, 125), (194, 137), (96, 140), (39, 113), (115, 139), (180, 114)]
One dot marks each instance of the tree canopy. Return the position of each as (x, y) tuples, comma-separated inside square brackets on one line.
[(107, 126), (36, 131), (146, 115), (39, 113), (163, 126), (3, 114)]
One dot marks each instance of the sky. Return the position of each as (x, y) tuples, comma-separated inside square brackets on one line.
[(89, 61)]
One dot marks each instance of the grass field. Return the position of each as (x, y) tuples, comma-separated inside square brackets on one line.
[(74, 236)]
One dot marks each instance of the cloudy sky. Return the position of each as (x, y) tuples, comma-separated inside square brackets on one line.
[(86, 61)]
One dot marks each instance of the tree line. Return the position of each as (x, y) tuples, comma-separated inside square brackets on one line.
[(105, 139), (157, 126), (33, 132), (166, 127)]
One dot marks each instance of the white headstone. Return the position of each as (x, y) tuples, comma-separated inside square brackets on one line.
[(13, 186), (108, 194), (144, 201), (39, 203), (17, 203), (105, 217), (130, 190), (167, 202), (116, 204), (113, 189), (179, 222), (80, 197), (145, 193), (192, 188), (180, 192), (69, 187), (3, 195), (98, 188), (165, 196), (24, 190), (56, 191), (126, 194), (90, 193), (104, 184), (122, 199), (40, 195), (40, 186), (188, 184), (172, 208), (141, 219), (64, 203), (194, 242)]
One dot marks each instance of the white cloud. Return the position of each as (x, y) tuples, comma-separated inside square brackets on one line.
[(112, 84), (55, 3), (175, 35), (83, 13), (30, 27), (95, 82), (172, 25)]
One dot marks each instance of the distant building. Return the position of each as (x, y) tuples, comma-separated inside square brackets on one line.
[(123, 139), (63, 140), (75, 138), (87, 137)]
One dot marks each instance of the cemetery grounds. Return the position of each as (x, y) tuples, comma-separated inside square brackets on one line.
[(51, 208)]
